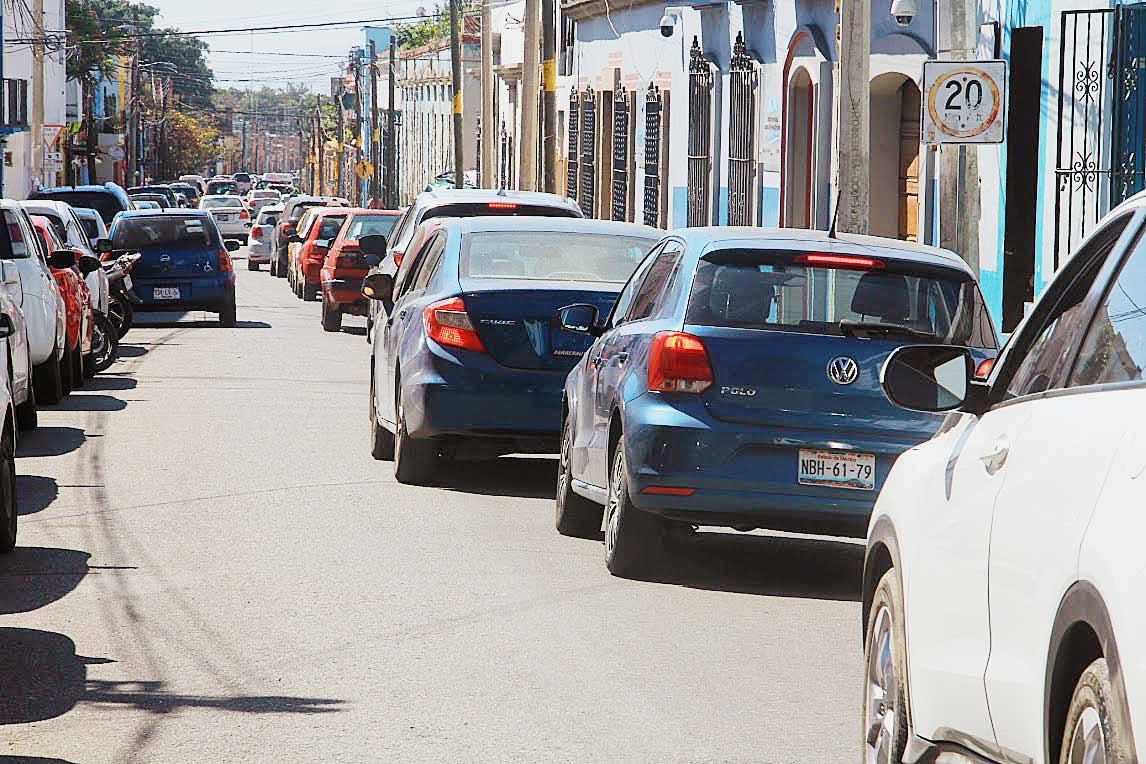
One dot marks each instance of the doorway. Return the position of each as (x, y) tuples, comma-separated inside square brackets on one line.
[(798, 196), (894, 159), (1022, 173)]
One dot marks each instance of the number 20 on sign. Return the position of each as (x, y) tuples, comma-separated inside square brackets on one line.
[(964, 101)]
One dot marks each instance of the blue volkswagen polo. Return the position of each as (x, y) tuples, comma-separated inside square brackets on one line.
[(736, 383), (185, 264)]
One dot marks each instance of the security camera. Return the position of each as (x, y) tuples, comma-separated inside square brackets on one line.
[(668, 24), (903, 11)]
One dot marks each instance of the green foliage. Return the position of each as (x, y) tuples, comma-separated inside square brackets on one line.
[(435, 26), (190, 142)]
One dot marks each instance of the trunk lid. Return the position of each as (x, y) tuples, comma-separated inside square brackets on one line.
[(517, 320), (177, 262)]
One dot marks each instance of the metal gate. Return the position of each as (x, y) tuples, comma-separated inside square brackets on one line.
[(652, 156), (742, 135), (700, 81), (588, 151), (574, 145), (1102, 118), (621, 155)]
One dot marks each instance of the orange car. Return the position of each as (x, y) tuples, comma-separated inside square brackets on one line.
[(345, 266), (316, 231), (77, 302)]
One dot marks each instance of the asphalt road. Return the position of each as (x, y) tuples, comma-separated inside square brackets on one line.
[(212, 569)]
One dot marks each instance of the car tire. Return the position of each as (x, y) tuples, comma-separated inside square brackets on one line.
[(381, 439), (331, 318), (252, 265), (78, 368), (415, 459), (121, 314), (885, 719), (66, 369), (27, 414), (1093, 723), (105, 346), (271, 269), (309, 292), (8, 504), (228, 314), (575, 515), (47, 380), (634, 540)]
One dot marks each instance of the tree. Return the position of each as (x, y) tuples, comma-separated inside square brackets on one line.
[(190, 143), (433, 27)]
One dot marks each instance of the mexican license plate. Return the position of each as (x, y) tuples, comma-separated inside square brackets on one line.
[(839, 469), (226, 218), (165, 293)]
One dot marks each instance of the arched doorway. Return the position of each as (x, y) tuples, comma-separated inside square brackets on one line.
[(799, 145), (894, 160)]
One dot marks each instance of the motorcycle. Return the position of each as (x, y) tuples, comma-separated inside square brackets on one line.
[(121, 297)]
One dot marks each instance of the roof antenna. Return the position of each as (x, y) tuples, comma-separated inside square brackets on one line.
[(835, 216)]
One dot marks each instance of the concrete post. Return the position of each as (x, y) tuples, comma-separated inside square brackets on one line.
[(958, 164), (853, 139)]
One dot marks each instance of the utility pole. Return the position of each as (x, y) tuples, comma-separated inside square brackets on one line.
[(357, 127), (527, 141), (341, 143), (89, 127), (549, 96), (488, 129), (375, 130), (132, 116), (37, 131), (854, 130), (958, 164), (392, 132), (456, 61), (318, 142), (4, 104)]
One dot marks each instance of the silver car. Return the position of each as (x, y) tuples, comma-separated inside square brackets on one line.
[(230, 214), (259, 243)]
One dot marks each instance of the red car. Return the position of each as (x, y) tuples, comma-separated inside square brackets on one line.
[(316, 231), (345, 266), (77, 304)]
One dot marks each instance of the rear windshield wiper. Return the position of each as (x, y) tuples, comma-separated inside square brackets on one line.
[(851, 328)]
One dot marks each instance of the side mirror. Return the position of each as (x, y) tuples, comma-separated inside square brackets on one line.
[(62, 258), (372, 244), (931, 378), (88, 264), (103, 245), (231, 245), (378, 286), (580, 317), (7, 328), (9, 273)]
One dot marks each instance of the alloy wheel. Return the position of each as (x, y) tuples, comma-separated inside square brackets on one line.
[(1087, 740), (881, 693), (563, 464), (612, 508)]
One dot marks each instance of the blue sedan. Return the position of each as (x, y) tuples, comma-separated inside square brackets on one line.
[(185, 264), (736, 383), (468, 355)]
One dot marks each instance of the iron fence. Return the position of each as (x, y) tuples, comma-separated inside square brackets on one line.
[(700, 82), (620, 204), (588, 168), (743, 79), (652, 156)]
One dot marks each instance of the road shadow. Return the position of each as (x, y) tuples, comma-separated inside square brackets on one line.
[(30, 760), (45, 678), (34, 493), (195, 324), (358, 331), (132, 351), (778, 566), (521, 476), (50, 441), (110, 383), (82, 401), (32, 577)]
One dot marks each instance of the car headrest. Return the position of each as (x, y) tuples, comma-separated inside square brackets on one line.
[(884, 295), (741, 295)]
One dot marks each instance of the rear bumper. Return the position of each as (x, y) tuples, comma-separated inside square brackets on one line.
[(745, 474), (234, 230), (195, 294), (345, 293), (258, 251)]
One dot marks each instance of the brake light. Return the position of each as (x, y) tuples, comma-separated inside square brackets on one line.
[(244, 215), (398, 258), (224, 261), (668, 490), (840, 261), (502, 206), (983, 370), (256, 231), (678, 363), (447, 323)]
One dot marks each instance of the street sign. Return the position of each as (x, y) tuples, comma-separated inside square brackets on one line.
[(964, 101), (364, 170)]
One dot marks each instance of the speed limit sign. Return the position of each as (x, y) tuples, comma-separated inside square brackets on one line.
[(964, 101)]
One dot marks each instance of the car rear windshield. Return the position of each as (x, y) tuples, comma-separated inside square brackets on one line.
[(550, 255), (222, 187), (329, 226), (838, 294), (105, 203), (91, 229), (161, 231), (269, 218), (370, 225), (222, 201)]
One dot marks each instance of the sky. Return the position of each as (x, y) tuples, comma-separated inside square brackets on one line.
[(316, 54)]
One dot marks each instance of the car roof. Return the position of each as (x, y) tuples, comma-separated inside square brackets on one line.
[(543, 224), (271, 208), (479, 195), (169, 212), (46, 204), (709, 238)]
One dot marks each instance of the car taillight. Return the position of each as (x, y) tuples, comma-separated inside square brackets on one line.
[(244, 215), (983, 370), (224, 261), (678, 363), (501, 206), (447, 323), (397, 259), (256, 231), (827, 260)]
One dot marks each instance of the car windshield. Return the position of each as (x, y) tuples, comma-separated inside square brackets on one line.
[(242, 177), (103, 202), (221, 201), (222, 187), (370, 225), (839, 295), (160, 231), (551, 255)]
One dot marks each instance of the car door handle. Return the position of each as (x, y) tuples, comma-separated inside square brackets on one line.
[(994, 461)]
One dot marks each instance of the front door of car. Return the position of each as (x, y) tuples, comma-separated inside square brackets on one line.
[(1058, 466)]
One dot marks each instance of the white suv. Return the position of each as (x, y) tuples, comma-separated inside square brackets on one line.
[(1003, 586)]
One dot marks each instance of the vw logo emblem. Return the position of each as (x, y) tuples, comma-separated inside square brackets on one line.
[(165, 258), (842, 370)]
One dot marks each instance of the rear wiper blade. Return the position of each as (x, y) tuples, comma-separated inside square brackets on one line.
[(852, 328)]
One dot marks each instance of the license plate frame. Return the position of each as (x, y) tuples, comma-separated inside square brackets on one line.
[(851, 470), (166, 293)]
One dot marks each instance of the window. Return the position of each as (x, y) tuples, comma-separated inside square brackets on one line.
[(212, 202), (625, 298), (16, 245), (646, 299), (429, 263), (330, 226), (137, 233), (1048, 338), (1115, 346), (369, 225), (556, 255)]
